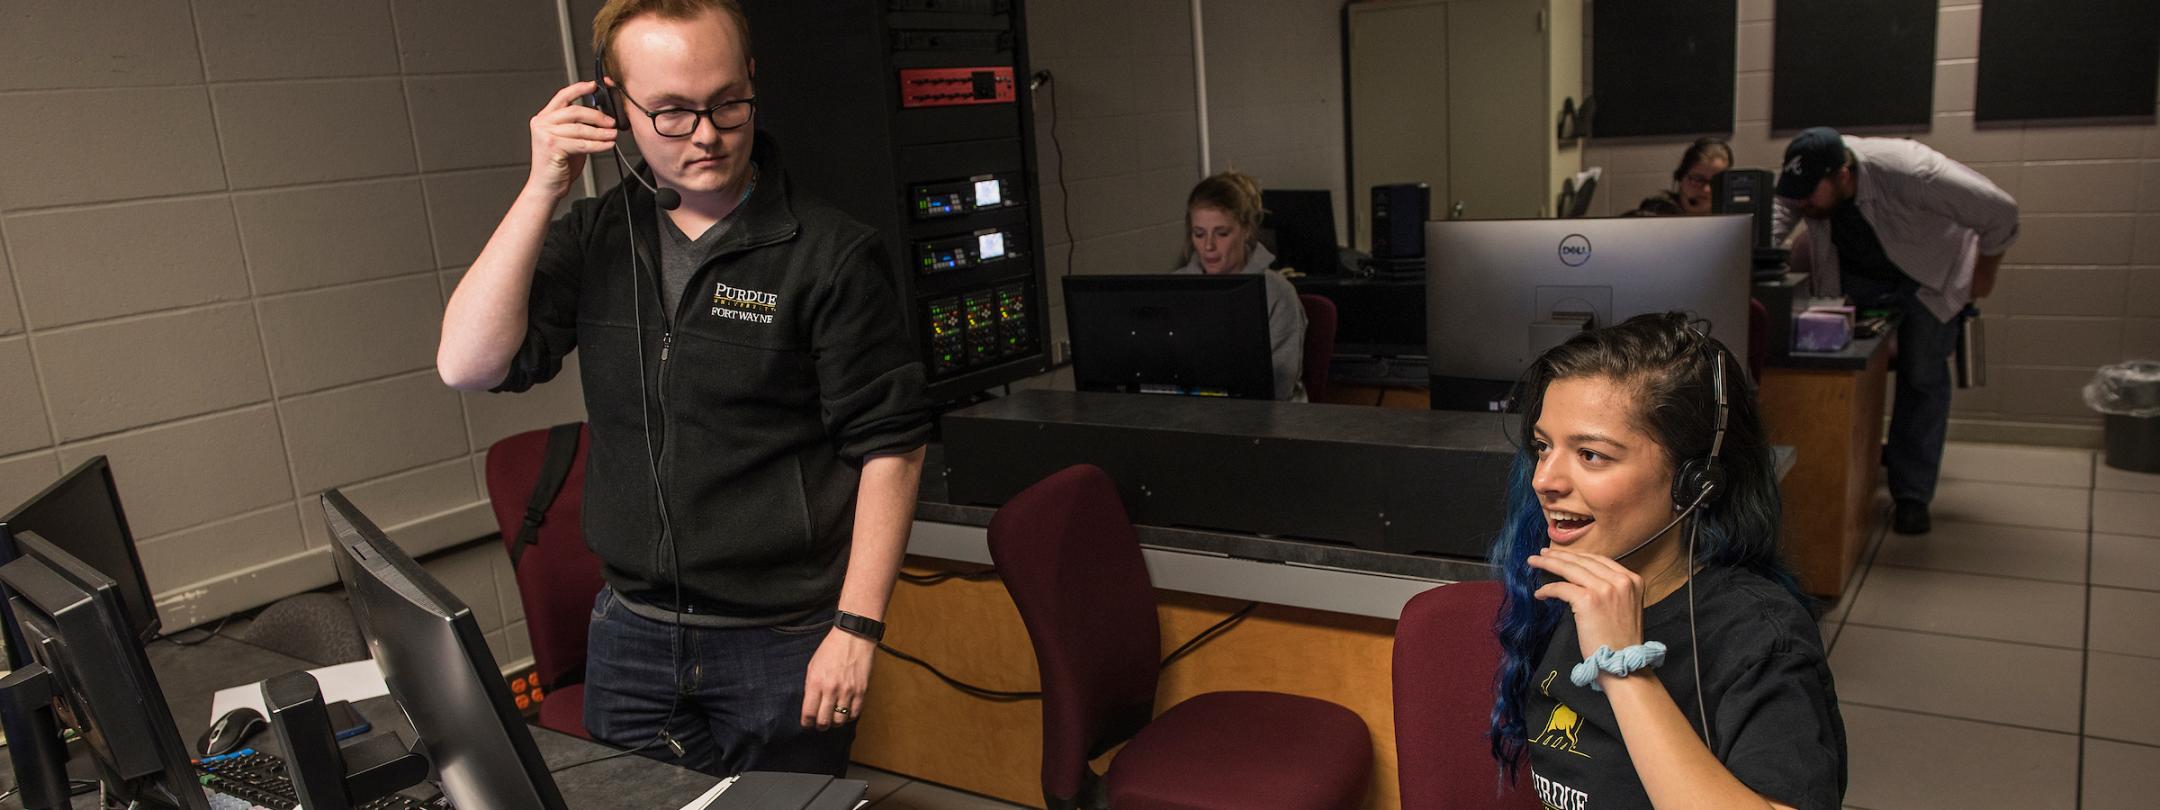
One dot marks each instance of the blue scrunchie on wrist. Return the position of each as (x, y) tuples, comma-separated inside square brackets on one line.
[(1621, 662)]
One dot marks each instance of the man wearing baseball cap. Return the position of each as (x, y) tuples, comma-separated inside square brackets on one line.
[(1894, 224)]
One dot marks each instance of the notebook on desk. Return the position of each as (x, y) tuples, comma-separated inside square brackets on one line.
[(759, 790)]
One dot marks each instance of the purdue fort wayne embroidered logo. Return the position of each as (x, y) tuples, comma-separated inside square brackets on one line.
[(739, 304)]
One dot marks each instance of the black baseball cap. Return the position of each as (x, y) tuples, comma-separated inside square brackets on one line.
[(1812, 156)]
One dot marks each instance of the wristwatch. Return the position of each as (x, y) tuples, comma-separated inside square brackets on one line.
[(863, 626)]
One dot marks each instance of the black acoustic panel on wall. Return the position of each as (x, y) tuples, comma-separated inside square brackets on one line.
[(1854, 64), (1662, 67), (2050, 59)]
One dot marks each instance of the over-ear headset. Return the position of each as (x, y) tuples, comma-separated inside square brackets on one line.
[(1703, 479), (603, 97)]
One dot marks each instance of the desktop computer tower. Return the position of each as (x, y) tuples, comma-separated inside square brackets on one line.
[(1751, 192), (1399, 211), (915, 117)]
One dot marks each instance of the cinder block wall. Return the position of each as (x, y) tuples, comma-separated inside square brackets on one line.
[(227, 230), (2080, 289)]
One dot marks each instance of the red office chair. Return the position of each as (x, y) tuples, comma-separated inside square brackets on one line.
[(1445, 660), (1319, 344), (557, 576), (1067, 554)]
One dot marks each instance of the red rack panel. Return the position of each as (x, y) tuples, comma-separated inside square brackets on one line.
[(950, 87)]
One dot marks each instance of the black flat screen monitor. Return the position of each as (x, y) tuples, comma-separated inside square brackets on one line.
[(70, 618), (81, 512), (439, 669), (1178, 334), (1303, 225)]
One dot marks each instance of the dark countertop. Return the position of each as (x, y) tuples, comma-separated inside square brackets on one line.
[(190, 675), (1345, 424), (933, 505)]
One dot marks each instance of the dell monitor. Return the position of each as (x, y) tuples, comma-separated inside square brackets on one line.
[(439, 669), (95, 675), (1303, 224), (81, 512), (1175, 334), (1501, 292)]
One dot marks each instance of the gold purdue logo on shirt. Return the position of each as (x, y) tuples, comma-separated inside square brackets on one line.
[(1563, 730), (738, 304)]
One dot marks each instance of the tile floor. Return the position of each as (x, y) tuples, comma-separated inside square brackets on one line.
[(2009, 659)]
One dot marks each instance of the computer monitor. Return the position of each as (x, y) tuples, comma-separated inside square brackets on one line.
[(100, 683), (1374, 317), (1303, 225), (1501, 292), (81, 512), (439, 669), (1176, 334)]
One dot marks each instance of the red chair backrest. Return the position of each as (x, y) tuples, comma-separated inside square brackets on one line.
[(557, 575), (1068, 556), (1445, 658), (1319, 344)]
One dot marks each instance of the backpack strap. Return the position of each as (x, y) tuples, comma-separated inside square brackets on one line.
[(562, 447)]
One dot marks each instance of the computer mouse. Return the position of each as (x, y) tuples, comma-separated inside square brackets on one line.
[(230, 730)]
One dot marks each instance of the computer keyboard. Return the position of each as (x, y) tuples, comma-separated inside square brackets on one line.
[(248, 779)]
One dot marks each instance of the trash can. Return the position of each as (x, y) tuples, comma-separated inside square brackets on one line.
[(2128, 397)]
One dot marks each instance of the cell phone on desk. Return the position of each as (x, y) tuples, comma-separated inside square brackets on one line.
[(347, 722)]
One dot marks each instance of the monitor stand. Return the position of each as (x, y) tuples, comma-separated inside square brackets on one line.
[(40, 758), (326, 775)]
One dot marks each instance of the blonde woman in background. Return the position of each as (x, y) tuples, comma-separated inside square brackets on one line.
[(1222, 221)]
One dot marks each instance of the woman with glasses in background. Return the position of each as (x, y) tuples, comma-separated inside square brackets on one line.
[(1699, 167)]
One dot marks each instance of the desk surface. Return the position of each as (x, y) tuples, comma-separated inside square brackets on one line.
[(1854, 357), (190, 675)]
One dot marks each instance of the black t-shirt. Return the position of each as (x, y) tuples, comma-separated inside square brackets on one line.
[(1773, 710), (1859, 250)]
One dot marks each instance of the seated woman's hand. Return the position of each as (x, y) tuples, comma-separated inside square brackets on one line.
[(1606, 597)]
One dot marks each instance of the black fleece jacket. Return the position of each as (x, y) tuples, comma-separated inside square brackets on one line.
[(784, 367)]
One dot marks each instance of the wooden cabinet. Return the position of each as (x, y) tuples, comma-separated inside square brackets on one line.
[(1463, 95)]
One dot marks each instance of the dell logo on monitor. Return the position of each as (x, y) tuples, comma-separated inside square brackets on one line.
[(1574, 250)]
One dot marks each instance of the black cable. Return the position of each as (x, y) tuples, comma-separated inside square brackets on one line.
[(1003, 696), (986, 694), (943, 576), (175, 640), (76, 787), (1209, 634), (652, 461), (605, 757), (1072, 241)]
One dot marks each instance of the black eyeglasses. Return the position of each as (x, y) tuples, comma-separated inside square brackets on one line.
[(679, 122)]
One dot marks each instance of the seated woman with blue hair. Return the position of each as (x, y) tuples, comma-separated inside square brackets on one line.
[(1656, 651)]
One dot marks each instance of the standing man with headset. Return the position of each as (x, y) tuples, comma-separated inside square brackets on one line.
[(757, 414), (1894, 224)]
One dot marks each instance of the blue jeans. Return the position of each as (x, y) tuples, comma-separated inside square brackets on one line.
[(741, 693), (1920, 410)]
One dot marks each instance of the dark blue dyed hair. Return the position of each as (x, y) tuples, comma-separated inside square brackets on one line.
[(1670, 365)]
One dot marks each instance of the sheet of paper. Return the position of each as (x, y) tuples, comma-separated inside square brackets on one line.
[(702, 802), (355, 682)]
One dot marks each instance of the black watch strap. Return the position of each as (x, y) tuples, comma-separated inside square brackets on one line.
[(863, 626)]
